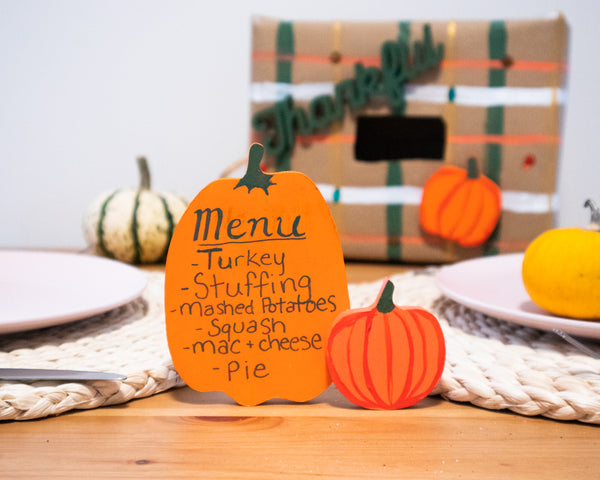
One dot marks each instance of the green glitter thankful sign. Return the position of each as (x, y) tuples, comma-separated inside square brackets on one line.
[(401, 61)]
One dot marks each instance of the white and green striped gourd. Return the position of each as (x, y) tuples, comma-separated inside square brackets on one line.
[(133, 226)]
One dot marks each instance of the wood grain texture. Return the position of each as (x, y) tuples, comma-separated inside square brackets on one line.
[(188, 434)]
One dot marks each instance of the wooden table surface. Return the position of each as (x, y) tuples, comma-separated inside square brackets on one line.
[(186, 434)]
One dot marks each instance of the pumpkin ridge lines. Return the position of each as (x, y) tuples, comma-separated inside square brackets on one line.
[(445, 204), (468, 187), (478, 222), (389, 365), (409, 338), (472, 214), (398, 315), (460, 205), (108, 220), (359, 395), (417, 387), (490, 186), (431, 200), (441, 350), (137, 248), (441, 353), (366, 371), (171, 226), (389, 360), (333, 371), (490, 211), (355, 395), (493, 190), (100, 227)]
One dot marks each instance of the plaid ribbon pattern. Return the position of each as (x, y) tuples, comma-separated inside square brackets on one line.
[(499, 90)]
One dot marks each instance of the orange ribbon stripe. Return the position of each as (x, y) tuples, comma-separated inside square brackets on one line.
[(525, 139), (373, 61)]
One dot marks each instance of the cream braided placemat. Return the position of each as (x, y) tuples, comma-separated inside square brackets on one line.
[(130, 340), (490, 363)]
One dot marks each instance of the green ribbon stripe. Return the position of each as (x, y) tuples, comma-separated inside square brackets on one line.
[(494, 125), (495, 115), (284, 48), (394, 177)]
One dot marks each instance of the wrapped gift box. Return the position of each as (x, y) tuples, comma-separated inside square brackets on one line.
[(370, 110)]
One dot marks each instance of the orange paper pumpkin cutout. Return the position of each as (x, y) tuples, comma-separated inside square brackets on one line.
[(384, 356), (254, 279), (460, 205)]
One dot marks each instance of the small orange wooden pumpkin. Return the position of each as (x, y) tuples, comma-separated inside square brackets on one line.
[(460, 205), (254, 279), (384, 356)]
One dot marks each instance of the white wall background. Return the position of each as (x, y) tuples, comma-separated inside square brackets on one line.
[(87, 85)]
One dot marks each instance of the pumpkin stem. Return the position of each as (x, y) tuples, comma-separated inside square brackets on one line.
[(385, 303), (255, 177), (144, 173), (472, 168), (595, 220)]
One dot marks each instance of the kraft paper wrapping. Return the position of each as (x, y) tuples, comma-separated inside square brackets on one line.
[(503, 105)]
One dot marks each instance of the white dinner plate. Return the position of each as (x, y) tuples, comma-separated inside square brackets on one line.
[(494, 286), (40, 289)]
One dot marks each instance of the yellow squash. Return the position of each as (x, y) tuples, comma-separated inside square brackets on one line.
[(561, 270)]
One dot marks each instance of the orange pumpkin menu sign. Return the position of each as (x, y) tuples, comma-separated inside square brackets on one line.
[(254, 279), (384, 356)]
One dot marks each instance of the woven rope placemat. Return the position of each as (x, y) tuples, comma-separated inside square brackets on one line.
[(490, 363)]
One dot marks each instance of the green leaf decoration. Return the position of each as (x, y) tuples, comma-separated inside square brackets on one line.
[(255, 177)]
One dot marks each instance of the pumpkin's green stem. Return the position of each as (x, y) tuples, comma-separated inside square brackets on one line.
[(595, 220), (255, 177), (144, 173), (472, 168), (385, 304)]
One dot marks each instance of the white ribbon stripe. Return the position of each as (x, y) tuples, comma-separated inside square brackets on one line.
[(268, 92), (512, 201)]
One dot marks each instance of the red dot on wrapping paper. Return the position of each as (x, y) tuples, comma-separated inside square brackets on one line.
[(528, 162)]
